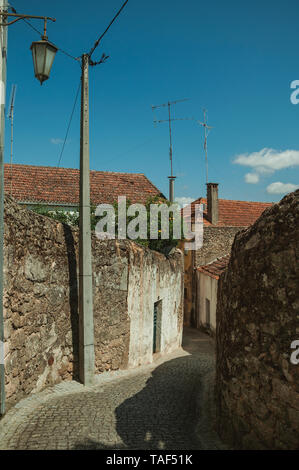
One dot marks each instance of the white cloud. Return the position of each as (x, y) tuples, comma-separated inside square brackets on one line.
[(269, 160), (184, 201), (56, 141), (252, 178), (281, 188)]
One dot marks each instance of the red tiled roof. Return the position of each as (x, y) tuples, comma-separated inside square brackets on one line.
[(61, 185), (216, 267), (233, 213)]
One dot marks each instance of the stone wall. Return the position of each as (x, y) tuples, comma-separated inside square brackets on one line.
[(217, 242), (41, 301), (257, 387)]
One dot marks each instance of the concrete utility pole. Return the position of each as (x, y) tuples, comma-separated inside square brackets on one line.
[(3, 57), (86, 329)]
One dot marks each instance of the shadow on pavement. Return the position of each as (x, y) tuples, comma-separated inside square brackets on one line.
[(164, 414)]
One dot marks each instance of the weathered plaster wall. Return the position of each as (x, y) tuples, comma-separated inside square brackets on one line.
[(41, 301), (206, 289), (152, 279), (257, 386)]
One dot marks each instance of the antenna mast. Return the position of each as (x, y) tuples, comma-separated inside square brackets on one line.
[(11, 117), (206, 130), (169, 120)]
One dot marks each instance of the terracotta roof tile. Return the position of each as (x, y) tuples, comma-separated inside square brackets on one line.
[(233, 213), (61, 185), (216, 267)]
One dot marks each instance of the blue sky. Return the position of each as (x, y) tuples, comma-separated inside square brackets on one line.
[(236, 59)]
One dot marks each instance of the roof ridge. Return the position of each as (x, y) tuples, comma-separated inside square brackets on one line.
[(216, 259), (232, 200), (76, 169), (152, 184), (253, 202)]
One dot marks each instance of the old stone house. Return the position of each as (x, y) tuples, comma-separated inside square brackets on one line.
[(222, 219), (56, 188)]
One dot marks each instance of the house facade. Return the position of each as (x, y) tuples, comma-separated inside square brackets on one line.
[(206, 292), (222, 220)]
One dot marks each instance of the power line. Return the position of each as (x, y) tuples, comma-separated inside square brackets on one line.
[(41, 34), (69, 55), (101, 37), (69, 124), (104, 57)]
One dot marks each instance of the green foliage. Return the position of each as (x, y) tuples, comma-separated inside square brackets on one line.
[(72, 218), (65, 217), (160, 244), (69, 218)]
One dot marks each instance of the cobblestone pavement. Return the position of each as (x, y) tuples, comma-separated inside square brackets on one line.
[(165, 405)]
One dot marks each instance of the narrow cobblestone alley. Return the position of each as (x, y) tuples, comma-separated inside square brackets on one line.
[(165, 405)]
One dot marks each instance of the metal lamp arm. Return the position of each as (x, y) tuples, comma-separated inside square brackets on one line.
[(23, 17), (12, 22)]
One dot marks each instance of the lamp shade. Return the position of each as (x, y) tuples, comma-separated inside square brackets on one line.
[(43, 53)]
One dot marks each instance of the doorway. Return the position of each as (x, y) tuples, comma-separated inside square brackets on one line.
[(157, 326), (208, 315)]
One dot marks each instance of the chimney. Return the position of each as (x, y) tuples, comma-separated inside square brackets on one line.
[(212, 200)]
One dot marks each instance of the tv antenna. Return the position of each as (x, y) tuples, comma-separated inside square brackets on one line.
[(207, 131), (11, 117), (169, 120)]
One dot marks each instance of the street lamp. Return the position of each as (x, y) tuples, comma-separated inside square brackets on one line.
[(43, 56), (43, 53)]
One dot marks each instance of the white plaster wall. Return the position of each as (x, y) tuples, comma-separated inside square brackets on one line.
[(149, 282), (206, 289)]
